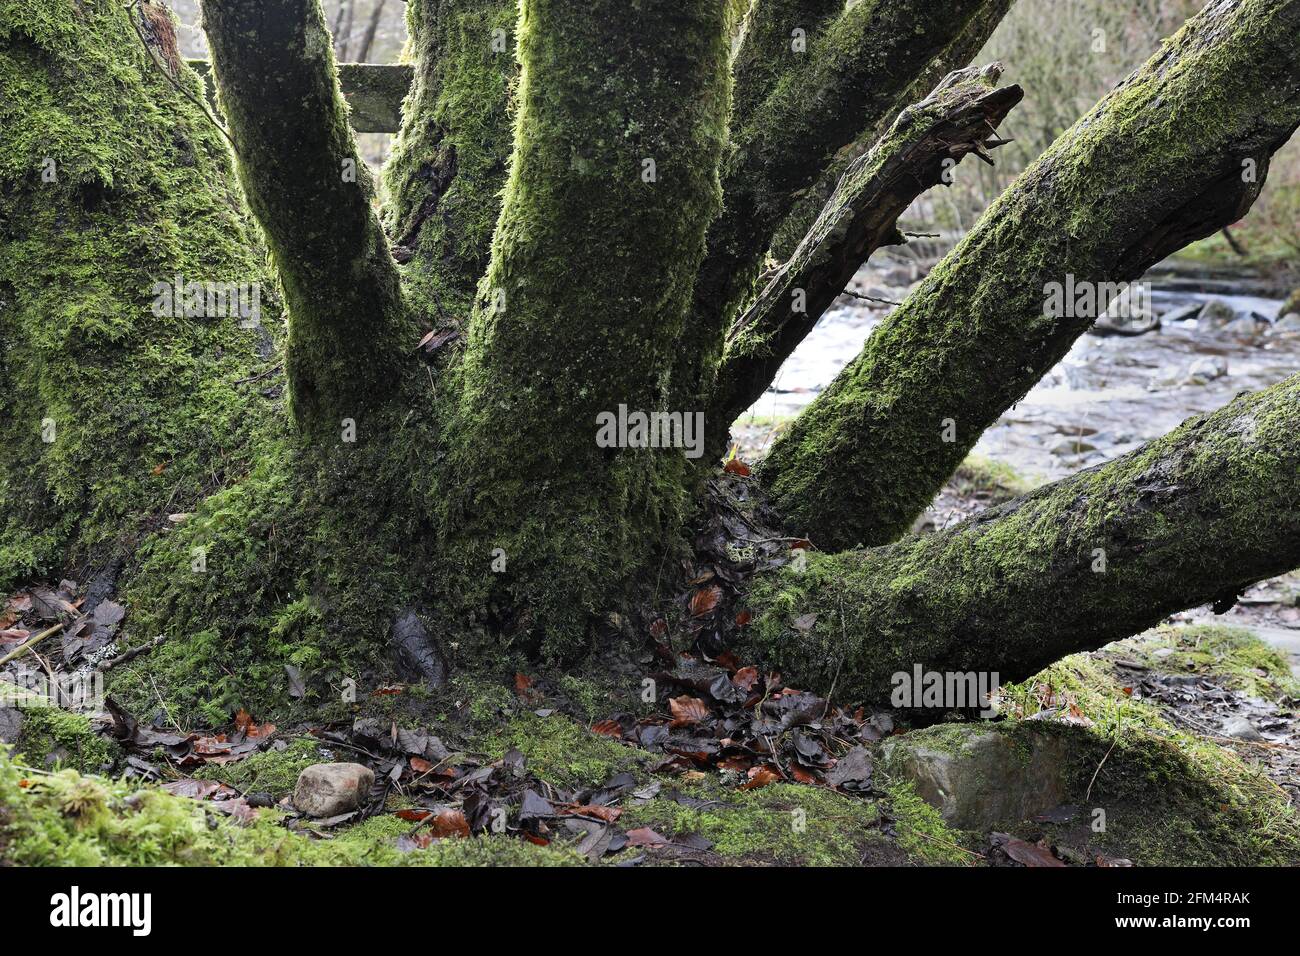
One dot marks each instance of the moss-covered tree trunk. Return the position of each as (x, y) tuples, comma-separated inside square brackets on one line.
[(1175, 152), (622, 118), (517, 483), (449, 161), (312, 194), (134, 301)]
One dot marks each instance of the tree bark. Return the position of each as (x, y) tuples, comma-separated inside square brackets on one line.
[(926, 141), (1193, 517), (445, 176), (1291, 305), (613, 182), (312, 194), (116, 198), (1171, 155), (856, 70)]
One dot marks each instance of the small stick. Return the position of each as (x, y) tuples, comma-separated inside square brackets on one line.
[(13, 655)]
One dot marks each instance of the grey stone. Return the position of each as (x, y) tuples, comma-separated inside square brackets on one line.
[(11, 724), (329, 789), (1239, 728), (1182, 313), (978, 776), (1216, 313)]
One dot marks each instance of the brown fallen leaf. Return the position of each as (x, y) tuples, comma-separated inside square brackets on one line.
[(1029, 854), (596, 811), (735, 466), (608, 728), (413, 815), (705, 600), (420, 765), (746, 678), (450, 823), (760, 777), (687, 711), (645, 837)]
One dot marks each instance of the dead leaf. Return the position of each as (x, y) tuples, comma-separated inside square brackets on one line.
[(450, 823), (687, 711), (608, 728), (645, 837), (1029, 854), (735, 466), (760, 777), (705, 600)]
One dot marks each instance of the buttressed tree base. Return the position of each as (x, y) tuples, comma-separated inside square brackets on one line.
[(322, 432)]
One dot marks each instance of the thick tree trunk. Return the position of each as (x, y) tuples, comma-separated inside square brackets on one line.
[(312, 194), (1171, 155), (119, 219), (621, 122), (448, 165), (925, 143), (1191, 518)]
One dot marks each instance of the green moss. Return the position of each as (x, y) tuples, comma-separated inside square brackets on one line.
[(448, 165), (1171, 797), (1024, 583), (995, 478), (1233, 655), (66, 819), (921, 831), (784, 824), (604, 91), (111, 181), (51, 736), (563, 752), (269, 771)]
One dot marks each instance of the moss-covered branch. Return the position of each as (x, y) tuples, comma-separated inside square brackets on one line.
[(312, 194), (1172, 154), (448, 166), (1193, 517), (775, 41), (926, 141), (853, 75), (960, 54)]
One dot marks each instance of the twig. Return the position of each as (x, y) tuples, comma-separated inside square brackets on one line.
[(1088, 793), (14, 655), (172, 80), (132, 653), (868, 298), (259, 376)]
